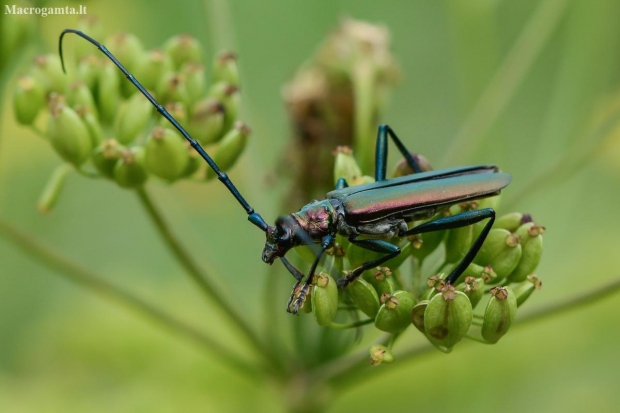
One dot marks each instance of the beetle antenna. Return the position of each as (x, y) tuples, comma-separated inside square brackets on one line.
[(253, 216)]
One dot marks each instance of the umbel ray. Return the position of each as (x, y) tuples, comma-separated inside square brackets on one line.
[(368, 215)]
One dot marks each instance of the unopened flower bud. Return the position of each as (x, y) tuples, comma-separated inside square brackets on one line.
[(345, 165), (225, 69), (182, 49), (230, 148), (92, 124), (532, 245), (193, 163), (364, 296), (458, 240), (499, 314), (91, 25), (166, 155), (425, 244), (172, 88), (151, 67), (178, 111), (417, 315), (89, 69), (228, 96), (106, 155), (394, 315), (129, 171), (324, 299), (524, 289), (381, 280), (502, 251), (52, 189), (48, 72), (127, 48), (80, 95), (473, 289), (447, 319), (206, 122), (380, 354), (510, 221), (28, 99), (195, 80), (68, 134), (109, 91), (402, 168), (133, 117)]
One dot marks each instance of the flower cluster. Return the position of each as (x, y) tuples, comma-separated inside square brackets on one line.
[(101, 124), (500, 279)]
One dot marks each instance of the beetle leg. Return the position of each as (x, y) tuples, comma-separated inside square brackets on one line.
[(341, 184), (376, 245), (456, 221), (298, 297), (381, 153), (292, 269)]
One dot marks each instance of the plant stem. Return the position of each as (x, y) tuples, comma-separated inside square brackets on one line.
[(351, 325), (506, 80), (95, 283), (345, 372), (203, 279)]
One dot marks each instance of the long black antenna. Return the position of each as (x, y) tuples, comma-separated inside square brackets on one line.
[(253, 216)]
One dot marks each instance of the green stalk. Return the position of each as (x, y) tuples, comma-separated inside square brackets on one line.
[(203, 280), (96, 284)]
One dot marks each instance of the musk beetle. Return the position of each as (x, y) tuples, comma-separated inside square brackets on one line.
[(368, 215)]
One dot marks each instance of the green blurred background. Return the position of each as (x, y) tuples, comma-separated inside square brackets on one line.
[(521, 82)]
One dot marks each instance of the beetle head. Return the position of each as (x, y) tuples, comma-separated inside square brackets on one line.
[(279, 239)]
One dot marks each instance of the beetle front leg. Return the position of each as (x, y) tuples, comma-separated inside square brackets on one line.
[(372, 245), (456, 221), (298, 297)]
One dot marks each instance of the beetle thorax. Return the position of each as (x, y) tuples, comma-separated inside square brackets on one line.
[(317, 219)]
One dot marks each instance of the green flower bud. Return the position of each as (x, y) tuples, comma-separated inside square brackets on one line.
[(129, 171), (424, 244), (182, 49), (91, 25), (172, 88), (502, 251), (417, 315), (473, 289), (151, 68), (512, 221), (447, 318), (324, 299), (402, 168), (230, 148), (53, 188), (364, 296), (166, 154), (48, 72), (195, 80), (532, 245), (89, 70), (28, 99), (394, 315), (178, 111), (477, 271), (106, 156), (228, 96), (345, 165), (499, 314), (109, 95), (459, 240), (225, 69), (92, 124), (524, 289), (381, 279), (80, 95), (127, 48), (133, 117), (194, 162), (68, 134), (206, 123), (380, 354)]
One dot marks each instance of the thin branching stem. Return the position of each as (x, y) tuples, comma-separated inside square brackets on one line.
[(202, 279), (93, 282)]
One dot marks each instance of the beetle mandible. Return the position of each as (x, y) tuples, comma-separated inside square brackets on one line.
[(368, 215)]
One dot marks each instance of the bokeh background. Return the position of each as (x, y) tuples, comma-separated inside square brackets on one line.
[(518, 83)]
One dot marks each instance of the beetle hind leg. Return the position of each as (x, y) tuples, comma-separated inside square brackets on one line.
[(381, 153), (456, 221), (372, 245)]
